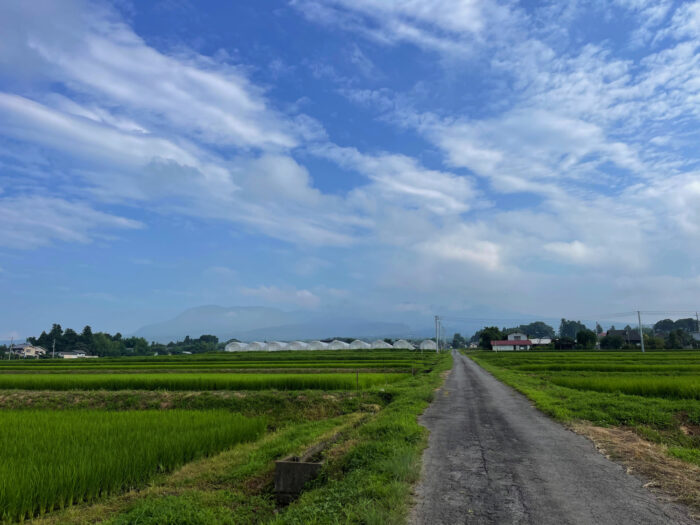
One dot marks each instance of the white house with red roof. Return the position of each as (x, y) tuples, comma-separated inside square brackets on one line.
[(515, 341)]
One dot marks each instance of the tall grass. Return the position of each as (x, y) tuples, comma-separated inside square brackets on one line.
[(55, 459), (195, 381)]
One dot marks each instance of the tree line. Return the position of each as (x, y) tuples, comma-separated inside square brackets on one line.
[(103, 344), (665, 334)]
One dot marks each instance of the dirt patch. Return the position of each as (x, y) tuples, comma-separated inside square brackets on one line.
[(670, 478)]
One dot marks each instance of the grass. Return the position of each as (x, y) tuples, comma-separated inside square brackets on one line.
[(196, 381), (55, 459)]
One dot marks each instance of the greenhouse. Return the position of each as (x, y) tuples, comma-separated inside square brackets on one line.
[(357, 344), (275, 346), (317, 345), (402, 344), (236, 346), (297, 345), (428, 344), (381, 343), (338, 345), (256, 345)]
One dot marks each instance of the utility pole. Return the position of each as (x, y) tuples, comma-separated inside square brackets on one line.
[(437, 334), (697, 323), (53, 351), (12, 343), (641, 333)]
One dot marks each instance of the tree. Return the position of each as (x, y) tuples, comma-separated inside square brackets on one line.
[(488, 334), (598, 329), (570, 328), (538, 329), (586, 338), (664, 326), (458, 341)]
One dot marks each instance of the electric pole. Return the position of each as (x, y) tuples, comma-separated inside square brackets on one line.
[(12, 343), (641, 333), (437, 334), (53, 351)]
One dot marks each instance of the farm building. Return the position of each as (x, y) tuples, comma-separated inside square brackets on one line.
[(402, 344), (297, 345), (381, 343), (428, 344), (275, 346), (72, 355), (317, 345), (255, 346), (338, 345), (359, 345), (236, 346), (512, 344)]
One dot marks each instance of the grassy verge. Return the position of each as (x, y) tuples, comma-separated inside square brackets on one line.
[(370, 480)]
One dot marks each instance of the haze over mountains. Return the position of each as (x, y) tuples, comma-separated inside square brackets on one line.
[(253, 323)]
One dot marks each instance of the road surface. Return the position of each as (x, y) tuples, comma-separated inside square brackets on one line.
[(493, 458)]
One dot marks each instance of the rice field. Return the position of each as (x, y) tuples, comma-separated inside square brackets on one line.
[(52, 459), (196, 381)]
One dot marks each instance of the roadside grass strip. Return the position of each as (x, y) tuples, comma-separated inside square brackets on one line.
[(52, 460), (193, 381)]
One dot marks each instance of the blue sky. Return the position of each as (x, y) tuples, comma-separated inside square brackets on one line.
[(392, 159)]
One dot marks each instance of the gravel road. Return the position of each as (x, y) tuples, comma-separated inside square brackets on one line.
[(493, 458)]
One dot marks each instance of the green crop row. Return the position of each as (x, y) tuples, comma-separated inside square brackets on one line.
[(679, 387), (193, 381), (54, 459)]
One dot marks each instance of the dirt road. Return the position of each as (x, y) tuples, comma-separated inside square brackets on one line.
[(493, 458)]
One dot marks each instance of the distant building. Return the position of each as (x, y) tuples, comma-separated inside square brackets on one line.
[(630, 337), (539, 341), (695, 335), (72, 355), (27, 350), (511, 344), (428, 344), (338, 345), (517, 336), (236, 346)]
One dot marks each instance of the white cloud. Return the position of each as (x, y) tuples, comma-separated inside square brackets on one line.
[(32, 222)]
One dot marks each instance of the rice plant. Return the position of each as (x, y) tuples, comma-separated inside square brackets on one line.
[(54, 459), (195, 381)]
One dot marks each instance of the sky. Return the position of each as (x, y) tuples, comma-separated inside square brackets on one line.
[(388, 159)]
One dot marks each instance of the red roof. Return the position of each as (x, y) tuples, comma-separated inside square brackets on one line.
[(513, 342)]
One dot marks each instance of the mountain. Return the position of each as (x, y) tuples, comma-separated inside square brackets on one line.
[(260, 323)]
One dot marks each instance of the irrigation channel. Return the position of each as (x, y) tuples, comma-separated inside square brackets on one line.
[(493, 458)]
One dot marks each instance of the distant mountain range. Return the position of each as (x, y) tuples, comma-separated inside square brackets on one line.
[(260, 323)]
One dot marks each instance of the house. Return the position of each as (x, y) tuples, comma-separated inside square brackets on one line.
[(27, 350), (695, 336), (517, 336), (540, 341), (511, 344), (631, 337)]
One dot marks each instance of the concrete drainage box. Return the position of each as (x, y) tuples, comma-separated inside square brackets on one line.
[(293, 472)]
